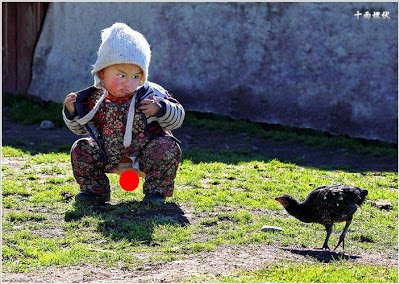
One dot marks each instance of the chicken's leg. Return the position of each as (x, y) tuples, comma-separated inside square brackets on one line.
[(328, 234), (341, 238)]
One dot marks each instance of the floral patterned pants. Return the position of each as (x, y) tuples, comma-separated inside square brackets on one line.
[(159, 160)]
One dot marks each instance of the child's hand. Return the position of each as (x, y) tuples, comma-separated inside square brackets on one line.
[(70, 99), (149, 106)]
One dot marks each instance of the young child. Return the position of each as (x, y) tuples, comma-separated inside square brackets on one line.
[(126, 116)]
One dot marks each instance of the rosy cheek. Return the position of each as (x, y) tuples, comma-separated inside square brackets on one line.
[(114, 83)]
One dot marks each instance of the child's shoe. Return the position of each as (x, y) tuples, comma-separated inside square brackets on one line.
[(153, 198), (91, 197)]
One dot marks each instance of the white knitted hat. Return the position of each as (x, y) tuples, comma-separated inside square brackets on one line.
[(121, 44)]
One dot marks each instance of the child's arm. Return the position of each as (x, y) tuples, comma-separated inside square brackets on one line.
[(170, 114), (70, 116)]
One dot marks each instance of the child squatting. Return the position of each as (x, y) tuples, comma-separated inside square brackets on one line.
[(126, 116)]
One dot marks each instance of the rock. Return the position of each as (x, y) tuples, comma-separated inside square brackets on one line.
[(382, 204), (46, 124), (271, 229)]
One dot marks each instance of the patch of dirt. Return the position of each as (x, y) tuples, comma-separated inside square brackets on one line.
[(301, 154), (191, 137), (224, 260)]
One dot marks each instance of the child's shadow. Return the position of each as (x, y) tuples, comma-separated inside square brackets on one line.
[(132, 220)]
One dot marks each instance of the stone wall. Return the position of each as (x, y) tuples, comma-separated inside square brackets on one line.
[(308, 65)]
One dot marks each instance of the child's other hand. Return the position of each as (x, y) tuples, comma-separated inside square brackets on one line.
[(70, 99), (149, 106)]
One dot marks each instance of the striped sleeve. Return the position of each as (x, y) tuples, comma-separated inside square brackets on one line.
[(72, 124), (173, 117), (173, 113)]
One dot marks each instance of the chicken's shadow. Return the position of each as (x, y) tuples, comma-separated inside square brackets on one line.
[(323, 255)]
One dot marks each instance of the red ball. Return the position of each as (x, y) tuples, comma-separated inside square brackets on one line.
[(129, 180)]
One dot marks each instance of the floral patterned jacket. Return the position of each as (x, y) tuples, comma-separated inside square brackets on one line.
[(169, 117)]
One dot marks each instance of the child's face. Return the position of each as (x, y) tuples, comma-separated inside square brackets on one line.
[(121, 79)]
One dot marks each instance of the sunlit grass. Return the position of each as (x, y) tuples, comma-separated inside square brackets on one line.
[(229, 196), (292, 272)]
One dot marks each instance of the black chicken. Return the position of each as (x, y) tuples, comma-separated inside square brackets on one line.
[(326, 205)]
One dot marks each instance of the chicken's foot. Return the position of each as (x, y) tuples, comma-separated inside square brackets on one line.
[(343, 235)]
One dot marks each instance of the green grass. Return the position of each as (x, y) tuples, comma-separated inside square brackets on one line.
[(221, 198), (30, 110), (305, 273), (292, 134)]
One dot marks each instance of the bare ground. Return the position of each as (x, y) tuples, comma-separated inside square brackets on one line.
[(225, 259), (311, 156)]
